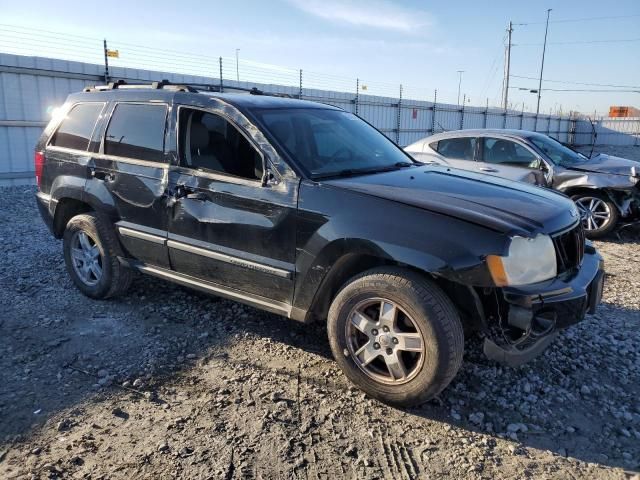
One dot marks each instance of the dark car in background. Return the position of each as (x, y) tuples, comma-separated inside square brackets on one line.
[(306, 211), (606, 189)]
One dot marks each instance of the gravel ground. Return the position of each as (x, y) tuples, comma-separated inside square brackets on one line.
[(166, 383)]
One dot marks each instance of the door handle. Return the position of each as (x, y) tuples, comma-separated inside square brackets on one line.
[(102, 175), (487, 169), (197, 196), (182, 191)]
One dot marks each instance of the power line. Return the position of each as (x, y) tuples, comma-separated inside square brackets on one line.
[(577, 83), (569, 20), (577, 90), (494, 67), (578, 42)]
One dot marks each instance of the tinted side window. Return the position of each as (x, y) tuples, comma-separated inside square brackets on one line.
[(137, 131), (457, 148), (209, 142), (497, 150), (76, 129)]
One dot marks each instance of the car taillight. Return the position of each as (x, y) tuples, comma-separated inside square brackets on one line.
[(38, 162)]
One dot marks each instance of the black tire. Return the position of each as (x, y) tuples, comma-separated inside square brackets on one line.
[(609, 224), (115, 278), (433, 314)]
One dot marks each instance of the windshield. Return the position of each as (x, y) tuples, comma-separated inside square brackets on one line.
[(556, 152), (332, 142)]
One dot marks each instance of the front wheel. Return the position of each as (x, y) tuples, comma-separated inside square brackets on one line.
[(598, 213), (396, 335)]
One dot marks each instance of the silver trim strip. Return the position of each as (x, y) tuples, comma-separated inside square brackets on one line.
[(219, 290), (127, 232), (229, 259), (44, 197), (130, 161)]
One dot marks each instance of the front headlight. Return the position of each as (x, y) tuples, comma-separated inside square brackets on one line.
[(529, 260)]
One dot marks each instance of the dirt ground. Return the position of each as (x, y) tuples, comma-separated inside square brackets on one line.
[(167, 383)]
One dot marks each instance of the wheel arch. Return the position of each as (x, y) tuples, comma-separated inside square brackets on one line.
[(66, 209), (590, 190), (348, 264)]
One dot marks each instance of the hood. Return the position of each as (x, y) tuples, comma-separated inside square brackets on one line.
[(603, 163), (501, 205)]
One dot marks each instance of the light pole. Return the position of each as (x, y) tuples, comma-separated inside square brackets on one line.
[(237, 67), (460, 72), (544, 48)]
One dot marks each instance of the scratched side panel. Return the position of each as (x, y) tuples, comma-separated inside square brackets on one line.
[(248, 223)]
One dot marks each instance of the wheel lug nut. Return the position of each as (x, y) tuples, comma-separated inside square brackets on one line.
[(386, 329), (376, 345), (374, 332), (395, 340), (389, 351)]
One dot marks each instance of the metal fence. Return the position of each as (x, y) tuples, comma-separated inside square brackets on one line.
[(31, 86), (607, 131)]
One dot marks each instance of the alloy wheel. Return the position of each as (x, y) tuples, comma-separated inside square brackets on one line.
[(594, 212), (384, 341), (86, 258)]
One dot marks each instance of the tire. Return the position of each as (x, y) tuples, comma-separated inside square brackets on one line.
[(599, 204), (114, 278), (424, 311)]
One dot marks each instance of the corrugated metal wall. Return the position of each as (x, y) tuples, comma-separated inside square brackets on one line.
[(30, 87), (610, 131)]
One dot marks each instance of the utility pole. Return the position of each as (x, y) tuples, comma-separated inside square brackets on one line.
[(237, 67), (507, 68), (544, 48), (106, 61), (460, 72)]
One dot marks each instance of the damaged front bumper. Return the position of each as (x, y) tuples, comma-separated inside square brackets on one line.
[(529, 317)]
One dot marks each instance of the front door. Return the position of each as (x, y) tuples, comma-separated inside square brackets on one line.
[(508, 159), (226, 226)]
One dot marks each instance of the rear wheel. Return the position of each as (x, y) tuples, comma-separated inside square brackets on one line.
[(91, 256), (396, 335), (598, 213)]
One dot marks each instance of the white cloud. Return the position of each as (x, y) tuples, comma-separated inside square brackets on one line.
[(367, 13)]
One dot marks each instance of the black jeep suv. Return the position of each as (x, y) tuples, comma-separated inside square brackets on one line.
[(305, 210)]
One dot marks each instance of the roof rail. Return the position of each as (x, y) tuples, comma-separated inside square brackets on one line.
[(181, 87)]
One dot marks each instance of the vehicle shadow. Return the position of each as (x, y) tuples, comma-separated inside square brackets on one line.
[(559, 402), (57, 357)]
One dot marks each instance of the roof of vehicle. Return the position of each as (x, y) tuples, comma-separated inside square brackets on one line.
[(481, 132), (246, 100)]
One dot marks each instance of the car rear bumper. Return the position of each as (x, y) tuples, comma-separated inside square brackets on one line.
[(539, 311), (44, 203)]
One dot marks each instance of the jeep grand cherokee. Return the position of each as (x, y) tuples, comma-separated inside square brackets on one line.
[(307, 211)]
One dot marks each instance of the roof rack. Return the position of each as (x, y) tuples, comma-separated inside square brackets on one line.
[(181, 87)]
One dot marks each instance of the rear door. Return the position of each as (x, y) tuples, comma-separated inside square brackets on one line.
[(458, 152), (228, 227), (509, 159), (129, 177)]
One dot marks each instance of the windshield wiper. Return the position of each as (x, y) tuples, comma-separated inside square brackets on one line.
[(349, 172)]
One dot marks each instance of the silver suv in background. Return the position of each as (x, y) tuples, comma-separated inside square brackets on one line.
[(606, 189)]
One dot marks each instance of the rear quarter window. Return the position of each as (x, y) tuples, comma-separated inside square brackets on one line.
[(77, 127), (137, 131)]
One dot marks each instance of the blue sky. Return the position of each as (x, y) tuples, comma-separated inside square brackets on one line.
[(384, 43)]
